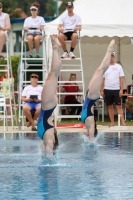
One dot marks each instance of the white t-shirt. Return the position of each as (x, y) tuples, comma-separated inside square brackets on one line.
[(112, 75), (3, 19), (70, 22), (36, 22), (30, 90)]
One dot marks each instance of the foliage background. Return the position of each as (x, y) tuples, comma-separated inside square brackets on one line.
[(46, 7), (14, 61)]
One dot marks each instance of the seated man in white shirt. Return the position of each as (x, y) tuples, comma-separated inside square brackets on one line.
[(31, 95), (68, 26), (4, 26)]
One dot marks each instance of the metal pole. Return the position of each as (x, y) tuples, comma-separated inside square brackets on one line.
[(56, 8)]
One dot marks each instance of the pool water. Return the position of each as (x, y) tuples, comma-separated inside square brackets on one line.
[(77, 171)]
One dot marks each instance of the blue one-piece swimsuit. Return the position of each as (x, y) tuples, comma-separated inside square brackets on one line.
[(86, 109), (43, 125)]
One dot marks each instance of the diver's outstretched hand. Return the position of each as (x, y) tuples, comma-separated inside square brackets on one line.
[(55, 41), (111, 46)]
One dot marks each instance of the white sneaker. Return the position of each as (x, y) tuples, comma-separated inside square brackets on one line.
[(71, 55), (64, 55)]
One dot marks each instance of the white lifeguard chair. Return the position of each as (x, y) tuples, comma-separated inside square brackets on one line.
[(6, 66), (38, 65), (3, 113), (70, 66)]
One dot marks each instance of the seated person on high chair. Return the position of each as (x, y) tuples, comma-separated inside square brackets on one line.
[(71, 99), (34, 25), (7, 88), (68, 26), (4, 26), (31, 95)]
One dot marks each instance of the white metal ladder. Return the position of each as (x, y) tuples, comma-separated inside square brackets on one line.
[(6, 66), (24, 68), (70, 66), (3, 112)]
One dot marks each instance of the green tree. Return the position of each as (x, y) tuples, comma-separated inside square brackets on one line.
[(9, 7), (42, 8), (50, 11), (25, 5)]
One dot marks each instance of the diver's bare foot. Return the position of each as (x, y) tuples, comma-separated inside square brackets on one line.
[(28, 124), (55, 41), (91, 141), (111, 46)]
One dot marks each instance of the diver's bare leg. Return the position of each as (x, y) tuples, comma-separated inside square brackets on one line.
[(49, 97), (94, 88), (95, 82)]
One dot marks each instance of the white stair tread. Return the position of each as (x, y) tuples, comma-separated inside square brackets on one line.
[(70, 59), (35, 64), (70, 70), (33, 70), (32, 59)]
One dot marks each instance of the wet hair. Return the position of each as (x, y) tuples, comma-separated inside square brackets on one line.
[(36, 4), (56, 139), (95, 130)]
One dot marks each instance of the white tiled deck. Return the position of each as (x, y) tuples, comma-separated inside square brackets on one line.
[(64, 129)]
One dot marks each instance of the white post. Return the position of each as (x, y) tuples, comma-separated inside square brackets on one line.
[(119, 119), (11, 43)]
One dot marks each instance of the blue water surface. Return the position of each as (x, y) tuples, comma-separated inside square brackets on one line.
[(77, 171)]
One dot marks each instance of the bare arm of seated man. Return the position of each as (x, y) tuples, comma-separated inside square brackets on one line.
[(77, 28), (60, 28)]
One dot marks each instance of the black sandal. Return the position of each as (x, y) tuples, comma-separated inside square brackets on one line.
[(2, 57), (37, 56), (30, 56)]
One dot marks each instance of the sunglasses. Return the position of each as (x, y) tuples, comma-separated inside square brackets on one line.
[(33, 9), (69, 7), (34, 76)]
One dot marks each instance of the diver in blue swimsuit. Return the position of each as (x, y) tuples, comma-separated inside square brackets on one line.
[(93, 93), (45, 129)]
